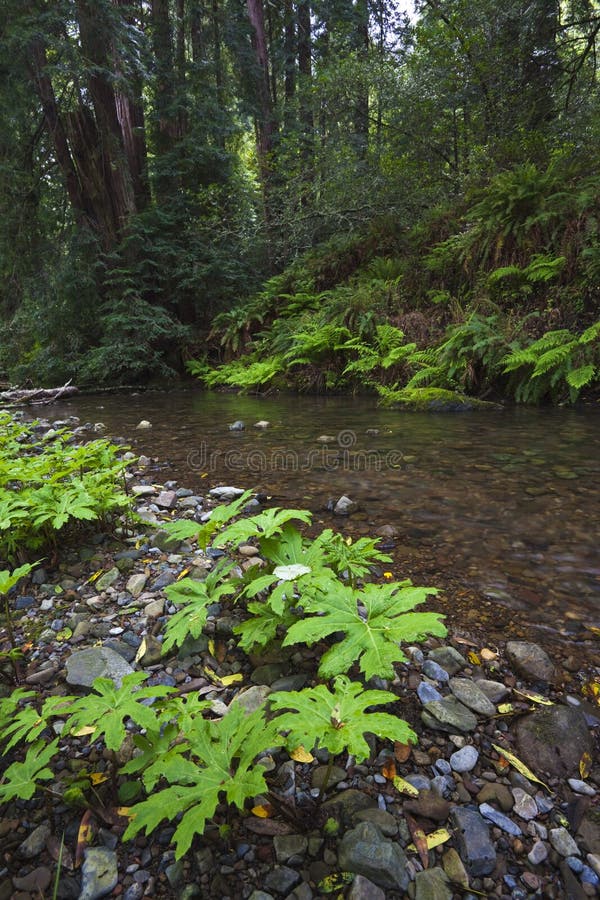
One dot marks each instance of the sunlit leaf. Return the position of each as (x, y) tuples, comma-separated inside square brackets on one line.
[(473, 658), (518, 765), (434, 839), (263, 810), (405, 787), (534, 697), (300, 755), (585, 764)]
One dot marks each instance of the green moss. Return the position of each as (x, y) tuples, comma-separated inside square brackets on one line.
[(431, 399)]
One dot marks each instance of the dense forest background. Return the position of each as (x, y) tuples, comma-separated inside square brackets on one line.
[(161, 161)]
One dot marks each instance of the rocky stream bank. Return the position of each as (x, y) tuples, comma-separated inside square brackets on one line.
[(498, 825)]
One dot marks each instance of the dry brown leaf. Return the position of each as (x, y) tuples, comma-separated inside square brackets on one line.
[(388, 770), (267, 826), (402, 751), (85, 836), (419, 839)]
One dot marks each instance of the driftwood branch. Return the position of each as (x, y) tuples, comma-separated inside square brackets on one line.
[(39, 396)]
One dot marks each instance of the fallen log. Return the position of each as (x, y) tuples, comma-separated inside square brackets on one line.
[(39, 396)]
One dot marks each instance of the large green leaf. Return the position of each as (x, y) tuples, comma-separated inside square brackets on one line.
[(338, 719), (20, 779), (374, 621)]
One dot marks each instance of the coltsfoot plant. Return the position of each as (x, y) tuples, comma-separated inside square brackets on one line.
[(192, 763)]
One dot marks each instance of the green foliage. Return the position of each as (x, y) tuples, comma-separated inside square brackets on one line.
[(108, 706), (337, 719), (374, 621), (221, 760), (263, 526), (183, 529), (556, 366), (21, 778), (195, 597), (48, 487)]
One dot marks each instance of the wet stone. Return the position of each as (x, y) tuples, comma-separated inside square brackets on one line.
[(363, 889), (563, 843), (525, 806), (541, 740), (530, 661), (426, 693), (385, 821), (454, 868), (334, 776), (449, 659), (432, 884), (448, 715), (433, 670), (472, 696), (475, 847), (136, 584), (282, 879), (86, 665), (99, 873), (538, 854), (35, 881), (107, 579), (35, 842), (465, 759), (500, 820), (364, 850), (290, 848)]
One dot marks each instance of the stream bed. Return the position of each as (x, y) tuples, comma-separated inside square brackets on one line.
[(509, 501)]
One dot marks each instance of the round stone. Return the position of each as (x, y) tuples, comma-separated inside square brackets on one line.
[(465, 759)]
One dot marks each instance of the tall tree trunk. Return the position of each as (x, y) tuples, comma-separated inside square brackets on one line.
[(361, 111), (265, 125), (289, 63), (166, 129), (305, 85)]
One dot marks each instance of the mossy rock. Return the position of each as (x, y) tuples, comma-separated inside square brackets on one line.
[(437, 400)]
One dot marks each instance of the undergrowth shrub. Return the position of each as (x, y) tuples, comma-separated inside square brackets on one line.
[(188, 760)]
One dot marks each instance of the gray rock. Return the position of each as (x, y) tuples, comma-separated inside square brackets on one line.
[(140, 426), (99, 873), (364, 889), (35, 842), (448, 658), (538, 854), (166, 500), (344, 506), (499, 819), (493, 690), (475, 847), (152, 652), (164, 541), (367, 852), (385, 821), (530, 661), (238, 425), (541, 743), (226, 493), (262, 424), (163, 580), (290, 848), (433, 670), (525, 806), (95, 662), (252, 698), (464, 759), (107, 579), (136, 584), (333, 775), (448, 715), (346, 804), (472, 696), (563, 843), (432, 884), (282, 879), (454, 868), (582, 787), (260, 895), (589, 830), (302, 892)]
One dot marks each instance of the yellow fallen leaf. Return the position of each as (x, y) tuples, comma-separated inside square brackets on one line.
[(505, 708), (262, 811), (204, 475), (84, 730), (335, 882), (405, 787), (534, 697), (301, 755), (473, 658), (519, 766), (141, 650), (591, 689), (434, 839), (124, 811), (593, 629), (98, 778), (182, 574), (211, 646), (585, 764), (94, 577), (231, 679)]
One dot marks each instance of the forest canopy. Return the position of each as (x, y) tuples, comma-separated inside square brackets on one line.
[(160, 160)]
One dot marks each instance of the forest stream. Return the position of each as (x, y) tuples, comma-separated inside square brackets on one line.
[(505, 503)]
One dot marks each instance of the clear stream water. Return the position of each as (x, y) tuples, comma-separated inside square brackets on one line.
[(508, 501)]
